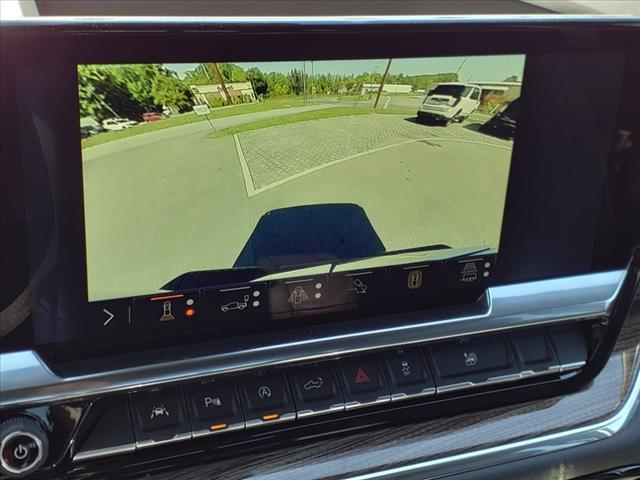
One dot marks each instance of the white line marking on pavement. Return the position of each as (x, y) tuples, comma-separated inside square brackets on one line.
[(248, 181), (251, 191)]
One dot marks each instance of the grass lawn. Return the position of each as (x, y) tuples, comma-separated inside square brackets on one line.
[(303, 117), (269, 104)]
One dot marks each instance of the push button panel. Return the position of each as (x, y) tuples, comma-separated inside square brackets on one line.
[(534, 351), (472, 360), (214, 406), (266, 398), (169, 309), (315, 389), (408, 373), (159, 416), (363, 381)]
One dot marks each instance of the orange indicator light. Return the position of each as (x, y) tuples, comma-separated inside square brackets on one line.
[(189, 312), (271, 416), (218, 426)]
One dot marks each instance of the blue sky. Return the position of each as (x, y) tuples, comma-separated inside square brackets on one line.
[(488, 68)]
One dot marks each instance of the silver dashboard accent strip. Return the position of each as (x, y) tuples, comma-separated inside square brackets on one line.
[(355, 404), (104, 452), (152, 443), (510, 452), (26, 379), (395, 397), (339, 407), (567, 367), (205, 24), (511, 377)]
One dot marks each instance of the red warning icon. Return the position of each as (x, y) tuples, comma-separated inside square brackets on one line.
[(361, 376)]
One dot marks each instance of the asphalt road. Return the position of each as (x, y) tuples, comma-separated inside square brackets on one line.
[(164, 203)]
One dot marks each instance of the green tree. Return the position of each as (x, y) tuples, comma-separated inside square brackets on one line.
[(198, 76), (295, 80), (170, 91), (102, 94), (232, 72), (278, 84), (258, 80)]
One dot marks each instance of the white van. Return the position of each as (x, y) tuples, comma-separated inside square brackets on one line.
[(450, 102)]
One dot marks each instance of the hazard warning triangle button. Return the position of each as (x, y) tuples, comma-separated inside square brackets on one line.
[(362, 379)]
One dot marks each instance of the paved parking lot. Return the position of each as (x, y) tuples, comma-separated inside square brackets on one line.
[(275, 154), (165, 203)]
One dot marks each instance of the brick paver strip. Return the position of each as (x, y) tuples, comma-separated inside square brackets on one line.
[(276, 153)]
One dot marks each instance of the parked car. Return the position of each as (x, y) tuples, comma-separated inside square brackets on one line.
[(503, 124), (115, 124), (88, 130), (450, 102), (153, 117)]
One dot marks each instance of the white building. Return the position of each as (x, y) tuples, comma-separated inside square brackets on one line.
[(387, 88), (204, 94)]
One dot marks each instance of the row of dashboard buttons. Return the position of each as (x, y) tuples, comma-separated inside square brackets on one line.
[(291, 295), (278, 395), (206, 407)]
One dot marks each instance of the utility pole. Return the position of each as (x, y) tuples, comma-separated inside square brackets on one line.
[(304, 80), (313, 86), (224, 85), (384, 78), (460, 67)]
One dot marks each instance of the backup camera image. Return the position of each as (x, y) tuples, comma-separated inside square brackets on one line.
[(206, 174)]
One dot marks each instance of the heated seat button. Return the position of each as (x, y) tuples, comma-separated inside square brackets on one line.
[(315, 389), (159, 416), (534, 351), (470, 355), (408, 373), (472, 360), (363, 381), (213, 406), (266, 398)]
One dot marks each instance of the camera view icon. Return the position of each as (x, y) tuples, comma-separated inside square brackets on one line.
[(159, 411)]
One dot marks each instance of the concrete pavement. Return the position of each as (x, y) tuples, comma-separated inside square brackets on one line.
[(177, 202)]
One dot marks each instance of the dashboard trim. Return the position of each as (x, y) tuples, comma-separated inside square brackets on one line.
[(528, 304), (514, 451)]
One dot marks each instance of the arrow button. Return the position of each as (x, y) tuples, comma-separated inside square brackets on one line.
[(109, 317)]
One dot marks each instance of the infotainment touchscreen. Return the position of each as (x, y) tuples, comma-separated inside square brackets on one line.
[(314, 177)]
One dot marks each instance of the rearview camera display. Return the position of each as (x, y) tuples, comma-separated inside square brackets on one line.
[(218, 175)]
